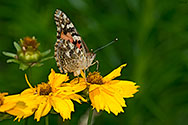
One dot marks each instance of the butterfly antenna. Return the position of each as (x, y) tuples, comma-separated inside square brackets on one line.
[(115, 40)]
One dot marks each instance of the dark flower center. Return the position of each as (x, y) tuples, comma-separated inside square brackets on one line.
[(94, 78), (29, 43), (44, 89)]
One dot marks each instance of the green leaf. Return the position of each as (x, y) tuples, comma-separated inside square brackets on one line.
[(13, 60), (17, 46), (10, 54), (4, 116), (37, 64), (45, 52), (23, 66), (47, 58)]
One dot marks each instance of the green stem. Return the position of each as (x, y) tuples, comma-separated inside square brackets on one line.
[(90, 116), (46, 120), (25, 121)]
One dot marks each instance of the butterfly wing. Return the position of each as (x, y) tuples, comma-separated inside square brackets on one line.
[(68, 56), (70, 50), (67, 31)]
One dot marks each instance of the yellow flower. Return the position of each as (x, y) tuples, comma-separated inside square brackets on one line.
[(14, 105), (45, 96), (2, 98), (18, 105), (108, 94)]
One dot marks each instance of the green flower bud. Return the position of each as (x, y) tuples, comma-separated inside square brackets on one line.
[(28, 54)]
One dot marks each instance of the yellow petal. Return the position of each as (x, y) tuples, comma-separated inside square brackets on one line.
[(11, 98), (115, 73), (52, 75), (63, 106), (124, 88), (56, 79), (105, 98), (95, 98), (70, 104), (112, 103), (78, 80), (77, 98), (93, 87), (29, 84), (112, 92), (91, 96), (22, 109), (83, 74), (43, 109), (68, 89), (9, 102), (7, 106), (28, 91), (47, 108), (53, 102)]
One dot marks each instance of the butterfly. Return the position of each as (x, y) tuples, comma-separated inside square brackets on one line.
[(71, 52)]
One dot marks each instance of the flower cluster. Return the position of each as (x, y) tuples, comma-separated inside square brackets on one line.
[(104, 93)]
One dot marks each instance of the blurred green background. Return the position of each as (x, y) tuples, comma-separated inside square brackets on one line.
[(153, 40)]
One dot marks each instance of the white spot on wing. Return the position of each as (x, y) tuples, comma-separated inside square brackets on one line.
[(70, 25), (62, 25), (71, 45), (58, 34), (58, 29), (64, 16), (77, 50), (58, 13), (76, 38), (57, 23), (64, 46), (67, 53)]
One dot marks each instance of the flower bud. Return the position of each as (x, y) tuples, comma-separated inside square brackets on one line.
[(27, 54)]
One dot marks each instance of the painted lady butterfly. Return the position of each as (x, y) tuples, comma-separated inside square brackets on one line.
[(71, 52)]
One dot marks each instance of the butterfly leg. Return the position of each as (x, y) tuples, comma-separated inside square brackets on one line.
[(96, 62), (97, 65), (87, 69), (78, 79), (85, 75)]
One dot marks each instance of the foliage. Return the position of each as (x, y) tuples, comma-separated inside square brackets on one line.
[(153, 40)]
